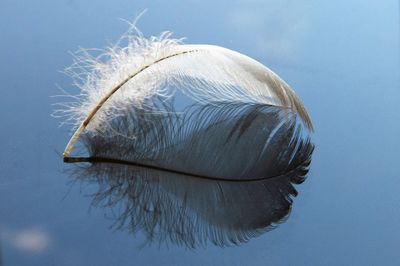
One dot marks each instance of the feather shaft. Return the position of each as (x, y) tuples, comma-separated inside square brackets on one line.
[(82, 126)]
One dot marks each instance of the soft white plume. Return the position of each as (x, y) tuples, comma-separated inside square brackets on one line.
[(137, 68), (236, 146)]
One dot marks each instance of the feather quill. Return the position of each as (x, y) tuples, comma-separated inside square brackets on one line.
[(219, 168)]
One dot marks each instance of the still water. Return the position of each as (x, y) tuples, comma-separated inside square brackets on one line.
[(341, 58)]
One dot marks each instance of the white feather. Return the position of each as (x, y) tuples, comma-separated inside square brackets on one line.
[(158, 67), (222, 170)]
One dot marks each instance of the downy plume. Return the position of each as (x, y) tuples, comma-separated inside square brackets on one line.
[(198, 143)]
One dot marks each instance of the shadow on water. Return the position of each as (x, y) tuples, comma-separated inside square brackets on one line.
[(219, 173)]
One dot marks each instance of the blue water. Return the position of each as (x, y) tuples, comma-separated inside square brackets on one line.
[(342, 59)]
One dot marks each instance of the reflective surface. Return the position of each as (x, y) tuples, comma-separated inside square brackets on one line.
[(341, 58)]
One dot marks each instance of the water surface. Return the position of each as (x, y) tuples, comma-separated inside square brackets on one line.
[(342, 59)]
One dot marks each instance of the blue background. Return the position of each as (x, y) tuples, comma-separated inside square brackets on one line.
[(342, 59)]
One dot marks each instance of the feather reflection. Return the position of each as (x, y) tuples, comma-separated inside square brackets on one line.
[(219, 173)]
